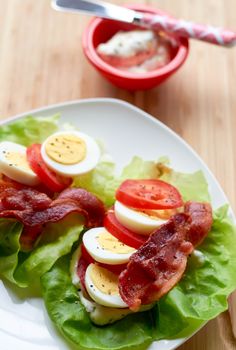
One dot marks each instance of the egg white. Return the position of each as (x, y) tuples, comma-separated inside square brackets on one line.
[(99, 314), (100, 254), (17, 173), (87, 164), (100, 297), (136, 221), (74, 267)]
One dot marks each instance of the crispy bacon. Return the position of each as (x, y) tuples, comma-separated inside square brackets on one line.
[(160, 263), (6, 182), (34, 209), (201, 221), (27, 198), (88, 202)]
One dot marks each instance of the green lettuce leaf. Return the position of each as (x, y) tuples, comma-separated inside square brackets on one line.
[(203, 291), (69, 315), (193, 187), (25, 269), (97, 180), (10, 231), (200, 296), (103, 180), (43, 258), (29, 130)]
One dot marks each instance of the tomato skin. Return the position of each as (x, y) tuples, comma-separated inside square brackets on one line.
[(149, 194), (81, 271), (86, 255), (113, 268), (126, 236), (49, 178)]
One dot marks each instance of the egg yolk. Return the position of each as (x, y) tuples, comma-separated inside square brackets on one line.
[(112, 244), (159, 214), (66, 149), (104, 280), (18, 159)]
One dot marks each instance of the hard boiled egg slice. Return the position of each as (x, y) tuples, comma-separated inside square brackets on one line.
[(105, 248), (102, 286), (70, 153), (137, 221), (13, 163)]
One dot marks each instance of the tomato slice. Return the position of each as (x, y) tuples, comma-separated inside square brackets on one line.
[(126, 236), (149, 194), (81, 271), (86, 255), (113, 268), (49, 178)]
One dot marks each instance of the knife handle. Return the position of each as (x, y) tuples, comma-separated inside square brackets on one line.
[(183, 28)]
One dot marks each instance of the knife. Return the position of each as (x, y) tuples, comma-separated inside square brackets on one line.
[(169, 24), (98, 8)]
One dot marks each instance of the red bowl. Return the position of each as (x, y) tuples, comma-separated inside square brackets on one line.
[(101, 30)]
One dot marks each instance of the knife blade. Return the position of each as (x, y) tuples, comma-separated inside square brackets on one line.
[(98, 8), (178, 27)]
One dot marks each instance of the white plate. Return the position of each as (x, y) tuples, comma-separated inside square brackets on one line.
[(127, 131)]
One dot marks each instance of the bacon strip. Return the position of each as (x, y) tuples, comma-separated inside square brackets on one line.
[(88, 202), (6, 182), (27, 198), (201, 221), (160, 263), (34, 209)]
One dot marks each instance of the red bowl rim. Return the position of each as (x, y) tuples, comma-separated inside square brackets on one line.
[(91, 53)]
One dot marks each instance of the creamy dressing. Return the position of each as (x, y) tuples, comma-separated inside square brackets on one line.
[(126, 44), (102, 315), (198, 257), (136, 51), (161, 58)]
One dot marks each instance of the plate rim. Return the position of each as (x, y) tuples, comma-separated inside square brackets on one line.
[(146, 115)]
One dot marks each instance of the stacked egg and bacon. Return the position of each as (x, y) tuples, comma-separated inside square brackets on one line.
[(131, 255), (35, 182), (105, 251), (61, 157), (141, 251)]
